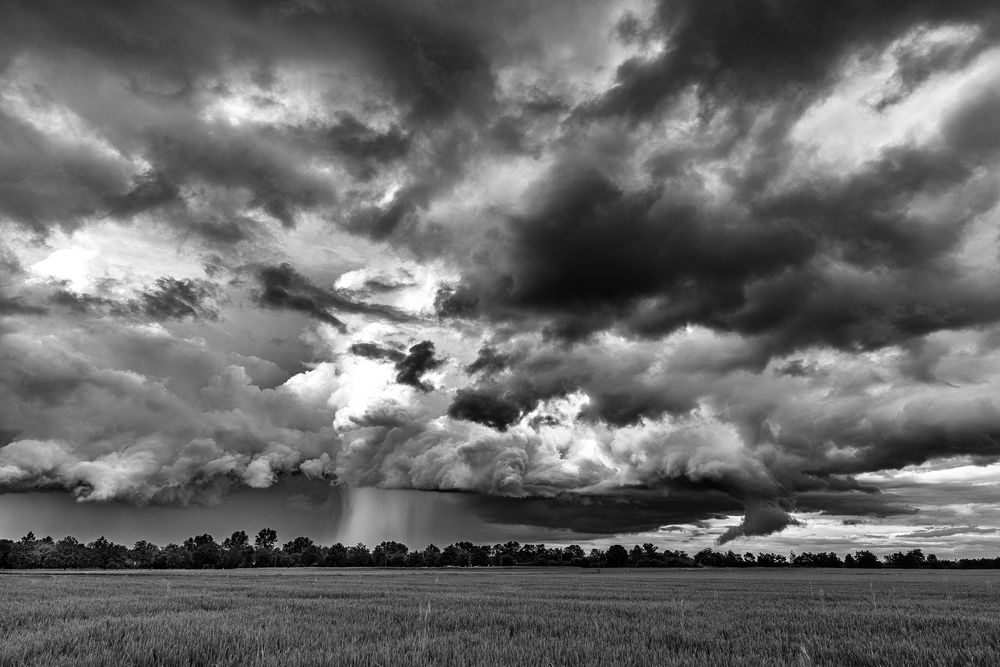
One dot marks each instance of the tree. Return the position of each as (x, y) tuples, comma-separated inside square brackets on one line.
[(677, 559), (865, 559), (359, 556), (453, 554), (821, 559), (616, 556), (635, 556), (264, 555), (6, 549), (143, 554), (506, 553), (301, 551), (708, 558), (336, 556), (108, 555), (390, 554), (236, 550), (266, 538), (573, 554), (526, 555), (910, 560), (431, 556), (172, 556), (771, 560), (204, 551), (24, 553), (480, 555)]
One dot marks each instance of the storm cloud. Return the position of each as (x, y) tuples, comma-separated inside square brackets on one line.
[(597, 268)]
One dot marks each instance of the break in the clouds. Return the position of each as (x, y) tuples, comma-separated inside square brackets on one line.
[(729, 268)]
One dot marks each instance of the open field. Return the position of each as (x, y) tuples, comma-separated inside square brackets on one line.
[(501, 617)]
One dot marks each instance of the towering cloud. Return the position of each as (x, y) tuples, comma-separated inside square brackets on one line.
[(601, 267)]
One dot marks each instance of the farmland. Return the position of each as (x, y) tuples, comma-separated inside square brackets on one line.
[(497, 616)]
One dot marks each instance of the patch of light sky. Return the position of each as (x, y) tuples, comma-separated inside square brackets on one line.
[(947, 471), (845, 130), (109, 255), (416, 284), (300, 94)]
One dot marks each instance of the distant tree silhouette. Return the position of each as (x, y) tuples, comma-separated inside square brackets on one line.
[(866, 559), (359, 556), (617, 556), (202, 552), (143, 554), (236, 550), (264, 554)]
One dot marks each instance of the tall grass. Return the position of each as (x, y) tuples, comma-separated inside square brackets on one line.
[(500, 617)]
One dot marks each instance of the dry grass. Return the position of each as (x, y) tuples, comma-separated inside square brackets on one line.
[(501, 617)]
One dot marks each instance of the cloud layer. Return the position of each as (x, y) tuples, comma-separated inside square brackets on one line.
[(602, 267)]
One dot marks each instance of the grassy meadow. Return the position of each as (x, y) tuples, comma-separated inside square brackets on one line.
[(501, 617)]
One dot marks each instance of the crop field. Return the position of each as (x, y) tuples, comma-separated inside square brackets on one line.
[(501, 617)]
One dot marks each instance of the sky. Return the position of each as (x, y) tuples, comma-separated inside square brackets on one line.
[(703, 274)]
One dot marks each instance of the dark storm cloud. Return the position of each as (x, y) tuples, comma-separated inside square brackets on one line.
[(488, 361), (589, 250), (158, 62), (916, 63), (592, 255), (10, 272), (853, 503), (365, 149), (628, 511), (971, 427), (83, 303), (44, 184), (16, 306), (382, 222), (488, 406), (689, 308), (167, 299), (419, 360), (377, 352), (432, 64), (746, 52), (284, 287), (619, 389), (176, 299), (150, 191), (797, 425), (760, 518), (187, 424), (800, 266)]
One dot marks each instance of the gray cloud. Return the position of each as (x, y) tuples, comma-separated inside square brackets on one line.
[(750, 51), (657, 298), (284, 287)]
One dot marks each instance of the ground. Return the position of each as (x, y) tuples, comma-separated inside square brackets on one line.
[(500, 616)]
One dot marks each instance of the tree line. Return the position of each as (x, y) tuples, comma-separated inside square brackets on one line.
[(239, 551)]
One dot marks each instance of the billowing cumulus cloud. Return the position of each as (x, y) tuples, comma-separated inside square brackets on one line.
[(597, 268)]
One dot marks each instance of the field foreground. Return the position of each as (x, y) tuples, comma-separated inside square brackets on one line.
[(501, 617)]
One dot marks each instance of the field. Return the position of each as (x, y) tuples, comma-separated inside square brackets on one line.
[(501, 617)]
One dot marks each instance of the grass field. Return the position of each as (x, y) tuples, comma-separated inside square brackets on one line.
[(501, 617)]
